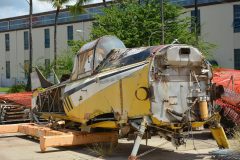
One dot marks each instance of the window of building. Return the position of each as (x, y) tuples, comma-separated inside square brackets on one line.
[(237, 58), (26, 40), (198, 21), (236, 21), (4, 26), (69, 33), (47, 38), (7, 69), (26, 68), (7, 42)]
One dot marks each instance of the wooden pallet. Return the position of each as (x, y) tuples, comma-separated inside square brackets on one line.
[(52, 138)]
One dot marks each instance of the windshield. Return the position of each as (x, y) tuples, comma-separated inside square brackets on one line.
[(92, 54), (104, 47), (124, 57)]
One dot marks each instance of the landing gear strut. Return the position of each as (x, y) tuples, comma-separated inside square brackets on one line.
[(142, 129)]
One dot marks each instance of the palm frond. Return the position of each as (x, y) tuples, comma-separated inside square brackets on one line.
[(56, 3), (78, 7)]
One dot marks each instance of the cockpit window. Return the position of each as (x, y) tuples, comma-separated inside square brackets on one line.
[(124, 57), (104, 46), (86, 62), (92, 54)]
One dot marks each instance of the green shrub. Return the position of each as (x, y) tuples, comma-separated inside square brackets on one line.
[(17, 88)]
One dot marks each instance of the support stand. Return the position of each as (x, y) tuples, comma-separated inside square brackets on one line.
[(142, 129)]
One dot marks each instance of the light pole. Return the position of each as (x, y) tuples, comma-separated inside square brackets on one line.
[(30, 45), (196, 20), (162, 20)]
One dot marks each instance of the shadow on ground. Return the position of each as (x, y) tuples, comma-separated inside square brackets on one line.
[(123, 150)]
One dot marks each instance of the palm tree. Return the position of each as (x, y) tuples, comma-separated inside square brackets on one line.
[(28, 87), (59, 4), (104, 3)]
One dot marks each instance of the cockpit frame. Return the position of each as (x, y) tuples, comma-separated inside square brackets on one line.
[(91, 54)]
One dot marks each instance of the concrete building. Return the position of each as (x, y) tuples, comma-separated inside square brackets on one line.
[(14, 40), (219, 24)]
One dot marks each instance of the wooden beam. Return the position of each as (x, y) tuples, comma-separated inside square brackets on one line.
[(37, 130), (12, 128), (77, 139), (52, 138)]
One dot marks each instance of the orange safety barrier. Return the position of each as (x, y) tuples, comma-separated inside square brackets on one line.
[(23, 98), (230, 100), (229, 78)]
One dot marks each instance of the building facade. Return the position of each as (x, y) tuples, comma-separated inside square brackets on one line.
[(219, 24), (14, 40)]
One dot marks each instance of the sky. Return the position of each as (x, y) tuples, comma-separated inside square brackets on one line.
[(12, 8)]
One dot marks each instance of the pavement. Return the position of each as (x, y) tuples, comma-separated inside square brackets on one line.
[(22, 147)]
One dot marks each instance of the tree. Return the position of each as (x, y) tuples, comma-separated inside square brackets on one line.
[(140, 24), (104, 3), (64, 64), (65, 60), (28, 87), (59, 4)]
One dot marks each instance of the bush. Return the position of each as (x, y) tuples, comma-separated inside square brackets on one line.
[(17, 88)]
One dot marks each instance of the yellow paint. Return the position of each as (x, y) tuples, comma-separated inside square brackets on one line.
[(104, 101), (173, 126), (220, 137), (133, 106), (106, 124), (197, 124), (65, 106), (141, 94), (203, 107), (158, 123), (110, 100), (35, 93), (47, 115)]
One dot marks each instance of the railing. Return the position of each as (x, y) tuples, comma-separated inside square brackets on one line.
[(191, 2), (66, 17), (48, 19)]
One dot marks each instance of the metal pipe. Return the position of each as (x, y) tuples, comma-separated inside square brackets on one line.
[(138, 139)]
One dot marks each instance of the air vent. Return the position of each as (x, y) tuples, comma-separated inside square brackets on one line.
[(185, 51)]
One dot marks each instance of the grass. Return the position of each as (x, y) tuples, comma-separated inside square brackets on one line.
[(237, 138), (4, 89), (103, 149)]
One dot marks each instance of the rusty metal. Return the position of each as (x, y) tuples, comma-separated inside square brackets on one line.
[(10, 113)]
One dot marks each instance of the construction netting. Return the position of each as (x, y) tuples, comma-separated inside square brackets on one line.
[(230, 100), (229, 78), (23, 98)]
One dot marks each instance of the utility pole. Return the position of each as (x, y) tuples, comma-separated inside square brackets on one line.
[(162, 20), (30, 45), (196, 20)]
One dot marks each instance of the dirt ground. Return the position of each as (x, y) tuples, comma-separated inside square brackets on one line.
[(22, 147)]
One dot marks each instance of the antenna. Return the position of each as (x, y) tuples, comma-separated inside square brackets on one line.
[(175, 41)]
